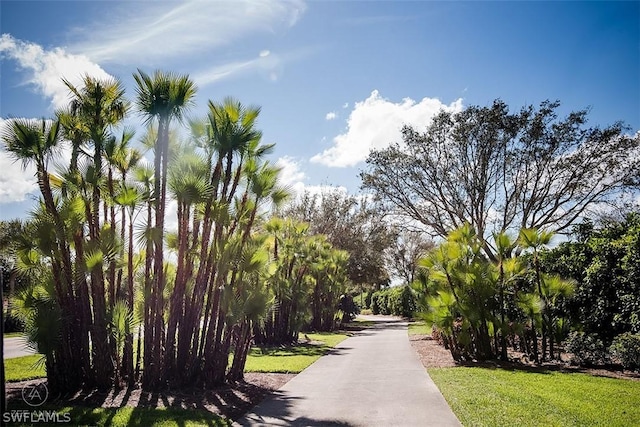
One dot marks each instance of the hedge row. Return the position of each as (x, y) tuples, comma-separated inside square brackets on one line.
[(397, 301)]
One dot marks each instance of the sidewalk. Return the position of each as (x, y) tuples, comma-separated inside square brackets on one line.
[(16, 347), (371, 379)]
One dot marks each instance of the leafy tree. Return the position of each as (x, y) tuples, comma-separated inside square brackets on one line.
[(11, 233), (403, 256), (308, 280), (605, 263), (503, 171), (351, 224)]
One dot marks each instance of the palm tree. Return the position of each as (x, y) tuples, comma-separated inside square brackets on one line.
[(162, 97), (231, 136), (535, 239), (128, 198), (100, 104), (188, 181), (33, 142), (76, 131), (508, 268)]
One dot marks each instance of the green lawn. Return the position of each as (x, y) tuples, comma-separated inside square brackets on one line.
[(24, 368), (292, 359), (419, 328), (142, 417), (498, 397), (13, 334)]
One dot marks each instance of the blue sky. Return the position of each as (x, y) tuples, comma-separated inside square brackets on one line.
[(334, 79)]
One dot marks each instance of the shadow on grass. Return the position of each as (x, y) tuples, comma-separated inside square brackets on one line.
[(297, 350), (606, 371), (143, 417), (506, 366)]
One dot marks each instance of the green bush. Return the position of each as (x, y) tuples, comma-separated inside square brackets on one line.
[(367, 299), (587, 349), (626, 348), (398, 301), (375, 308)]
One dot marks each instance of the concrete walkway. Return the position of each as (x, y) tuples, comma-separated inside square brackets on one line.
[(16, 347), (374, 378)]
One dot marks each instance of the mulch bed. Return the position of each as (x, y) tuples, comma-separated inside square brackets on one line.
[(230, 401), (434, 355)]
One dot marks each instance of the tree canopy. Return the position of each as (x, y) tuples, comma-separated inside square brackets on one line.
[(352, 224), (502, 171)]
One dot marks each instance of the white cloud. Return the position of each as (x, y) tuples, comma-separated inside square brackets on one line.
[(15, 183), (291, 177), (375, 123), (264, 53), (345, 105), (331, 115), (152, 31), (46, 68)]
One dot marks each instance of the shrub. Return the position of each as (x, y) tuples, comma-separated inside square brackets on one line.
[(626, 348), (375, 307), (408, 302), (587, 349), (348, 307), (398, 301), (367, 299), (13, 323)]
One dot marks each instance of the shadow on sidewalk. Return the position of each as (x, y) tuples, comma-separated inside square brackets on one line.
[(276, 411)]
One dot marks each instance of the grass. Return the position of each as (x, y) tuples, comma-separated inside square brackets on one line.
[(419, 328), (293, 359), (164, 417), (497, 397), (24, 368), (13, 334)]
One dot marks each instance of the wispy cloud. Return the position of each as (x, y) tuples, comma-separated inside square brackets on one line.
[(267, 63), (154, 31), (331, 115), (375, 123), (46, 68)]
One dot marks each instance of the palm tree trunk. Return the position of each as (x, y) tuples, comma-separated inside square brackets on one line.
[(128, 344)]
